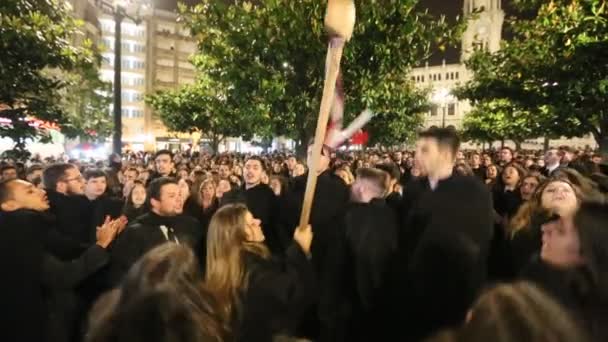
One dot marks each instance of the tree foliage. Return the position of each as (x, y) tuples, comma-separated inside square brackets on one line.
[(35, 54), (270, 56), (556, 65)]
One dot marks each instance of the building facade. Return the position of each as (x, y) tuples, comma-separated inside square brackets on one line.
[(154, 56), (483, 31)]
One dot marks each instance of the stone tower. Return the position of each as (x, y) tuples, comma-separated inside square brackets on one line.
[(485, 29)]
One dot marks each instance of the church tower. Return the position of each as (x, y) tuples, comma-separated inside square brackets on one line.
[(485, 30)]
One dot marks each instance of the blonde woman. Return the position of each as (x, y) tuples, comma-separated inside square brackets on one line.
[(263, 297)]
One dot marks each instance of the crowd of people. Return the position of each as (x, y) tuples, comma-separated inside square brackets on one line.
[(436, 244)]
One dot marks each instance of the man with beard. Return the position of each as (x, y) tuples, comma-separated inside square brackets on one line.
[(260, 200), (445, 239), (327, 220), (371, 244), (34, 275), (164, 223), (65, 186)]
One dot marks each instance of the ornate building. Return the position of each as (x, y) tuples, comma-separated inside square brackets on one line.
[(441, 75)]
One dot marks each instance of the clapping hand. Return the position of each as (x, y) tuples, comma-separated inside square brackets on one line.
[(108, 231)]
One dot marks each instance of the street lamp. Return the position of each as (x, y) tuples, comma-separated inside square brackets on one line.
[(441, 98), (119, 10)]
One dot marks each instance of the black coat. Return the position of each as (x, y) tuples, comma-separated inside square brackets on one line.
[(371, 245), (36, 276), (146, 233), (204, 216), (278, 293), (573, 290), (73, 215), (263, 205), (329, 207), (451, 228)]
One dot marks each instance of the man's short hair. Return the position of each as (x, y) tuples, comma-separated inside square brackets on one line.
[(161, 152), (133, 169), (94, 173), (34, 168), (6, 193), (391, 169), (258, 159), (155, 187), (376, 176), (446, 138), (54, 173), (7, 167)]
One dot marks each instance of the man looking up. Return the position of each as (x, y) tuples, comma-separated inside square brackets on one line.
[(36, 275), (260, 200)]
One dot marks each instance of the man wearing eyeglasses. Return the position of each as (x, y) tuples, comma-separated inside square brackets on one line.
[(65, 189)]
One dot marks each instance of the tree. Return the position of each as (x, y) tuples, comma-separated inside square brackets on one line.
[(202, 108), (554, 65), (35, 38), (270, 56)]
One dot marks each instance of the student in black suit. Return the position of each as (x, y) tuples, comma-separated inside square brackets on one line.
[(164, 223)]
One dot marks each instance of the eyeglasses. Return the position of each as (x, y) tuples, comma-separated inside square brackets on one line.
[(77, 178)]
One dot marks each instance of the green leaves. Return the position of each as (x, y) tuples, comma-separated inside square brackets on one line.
[(268, 57), (36, 57), (555, 65)]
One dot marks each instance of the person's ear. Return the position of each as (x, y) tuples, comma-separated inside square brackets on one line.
[(154, 203), (10, 205), (62, 186)]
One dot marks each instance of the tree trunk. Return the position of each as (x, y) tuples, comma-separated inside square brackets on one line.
[(602, 141), (545, 144), (302, 145), (502, 143), (517, 145)]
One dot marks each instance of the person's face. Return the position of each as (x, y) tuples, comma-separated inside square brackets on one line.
[(182, 174), (222, 187), (170, 202), (528, 163), (208, 191), (566, 156), (138, 195), (291, 163), (299, 170), (26, 196), (275, 185), (492, 172), (510, 176), (9, 174), (561, 244), (238, 171), (253, 172), (398, 157), (552, 157), (184, 190), (415, 171), (143, 176), (73, 181), (95, 187), (559, 197), (487, 160), (253, 230), (276, 168), (342, 174), (429, 156), (164, 164), (323, 160), (129, 176), (475, 160), (596, 160), (37, 174), (506, 155), (528, 187), (459, 155), (224, 171)]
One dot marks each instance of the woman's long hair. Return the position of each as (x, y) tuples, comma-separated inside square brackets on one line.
[(129, 208), (531, 209), (199, 195), (227, 245)]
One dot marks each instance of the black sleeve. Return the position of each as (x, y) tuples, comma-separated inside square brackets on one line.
[(124, 251), (67, 275), (62, 246), (290, 285)]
